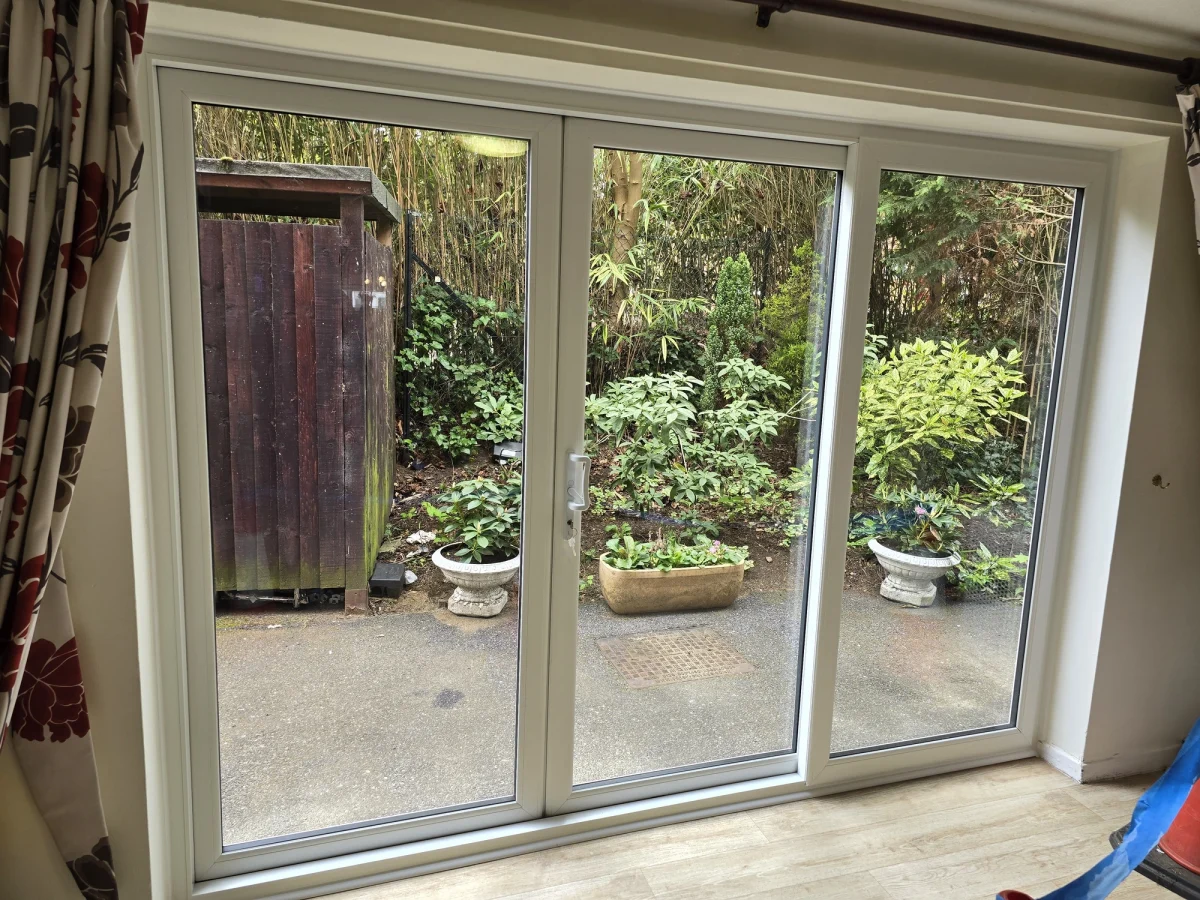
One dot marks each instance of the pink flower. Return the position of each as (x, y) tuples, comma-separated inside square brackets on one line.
[(920, 510)]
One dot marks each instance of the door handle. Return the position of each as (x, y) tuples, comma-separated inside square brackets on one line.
[(579, 497), (579, 482)]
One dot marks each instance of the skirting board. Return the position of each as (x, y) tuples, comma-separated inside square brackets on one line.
[(1119, 766)]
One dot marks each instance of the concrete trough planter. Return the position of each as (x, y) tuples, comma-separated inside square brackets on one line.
[(910, 578), (481, 589), (634, 591)]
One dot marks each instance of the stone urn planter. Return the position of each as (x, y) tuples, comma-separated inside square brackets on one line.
[(631, 591), (910, 578), (481, 589)]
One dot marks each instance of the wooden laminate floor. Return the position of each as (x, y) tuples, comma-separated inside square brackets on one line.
[(962, 836)]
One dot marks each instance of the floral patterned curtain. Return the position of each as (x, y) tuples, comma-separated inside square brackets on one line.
[(1189, 104), (70, 154)]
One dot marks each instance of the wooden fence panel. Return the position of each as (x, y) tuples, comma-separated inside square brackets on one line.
[(381, 418), (306, 402), (262, 366), (299, 369), (241, 403), (354, 376), (216, 395), (287, 458), (327, 296)]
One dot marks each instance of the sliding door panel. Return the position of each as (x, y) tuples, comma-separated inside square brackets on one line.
[(707, 300), (363, 298), (361, 382), (960, 374)]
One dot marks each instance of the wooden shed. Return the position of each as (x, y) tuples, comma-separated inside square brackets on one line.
[(298, 370)]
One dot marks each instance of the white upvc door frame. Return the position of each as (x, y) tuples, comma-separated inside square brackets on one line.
[(172, 434), (178, 90), (862, 165), (582, 137), (869, 159)]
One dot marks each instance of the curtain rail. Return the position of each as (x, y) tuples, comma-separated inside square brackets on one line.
[(1186, 70)]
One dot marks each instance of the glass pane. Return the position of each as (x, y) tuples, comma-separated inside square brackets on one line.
[(708, 303), (363, 294), (957, 401)]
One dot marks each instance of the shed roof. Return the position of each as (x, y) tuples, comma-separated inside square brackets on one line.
[(290, 189)]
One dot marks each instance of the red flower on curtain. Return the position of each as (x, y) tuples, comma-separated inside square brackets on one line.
[(28, 585), (89, 218), (51, 695), (10, 291), (20, 503), (137, 26)]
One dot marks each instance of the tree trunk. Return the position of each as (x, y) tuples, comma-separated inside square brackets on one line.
[(625, 172)]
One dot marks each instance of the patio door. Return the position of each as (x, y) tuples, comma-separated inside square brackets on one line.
[(653, 342), (332, 707), (678, 442)]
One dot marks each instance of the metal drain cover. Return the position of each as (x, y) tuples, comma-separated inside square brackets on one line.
[(667, 657)]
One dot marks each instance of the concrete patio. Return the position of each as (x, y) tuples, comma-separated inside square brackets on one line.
[(328, 720)]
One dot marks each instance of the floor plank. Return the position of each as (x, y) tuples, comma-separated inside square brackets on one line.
[(963, 836), (562, 867), (926, 795)]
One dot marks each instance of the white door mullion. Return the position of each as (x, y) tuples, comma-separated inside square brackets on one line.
[(578, 147), (835, 456)]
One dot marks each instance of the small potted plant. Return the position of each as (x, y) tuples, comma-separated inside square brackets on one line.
[(483, 521), (918, 548), (670, 573)]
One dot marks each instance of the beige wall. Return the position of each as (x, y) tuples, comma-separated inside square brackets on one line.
[(1143, 665), (1147, 682)]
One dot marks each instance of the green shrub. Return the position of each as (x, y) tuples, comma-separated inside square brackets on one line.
[(925, 402), (664, 458), (645, 406), (456, 352), (503, 416), (983, 570), (730, 325), (483, 515), (788, 324), (927, 520), (670, 551)]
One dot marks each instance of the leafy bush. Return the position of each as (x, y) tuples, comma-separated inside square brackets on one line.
[(664, 458), (924, 520), (670, 551), (983, 570), (997, 457), (787, 320), (646, 406), (741, 377), (484, 516), (921, 404), (459, 349), (503, 416), (730, 325), (741, 421)]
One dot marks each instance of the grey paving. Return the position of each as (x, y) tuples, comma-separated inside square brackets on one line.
[(907, 673), (327, 720), (622, 731)]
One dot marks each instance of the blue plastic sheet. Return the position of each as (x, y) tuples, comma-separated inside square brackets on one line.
[(1152, 816)]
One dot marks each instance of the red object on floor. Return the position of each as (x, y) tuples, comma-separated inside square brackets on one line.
[(1013, 895), (1182, 840)]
